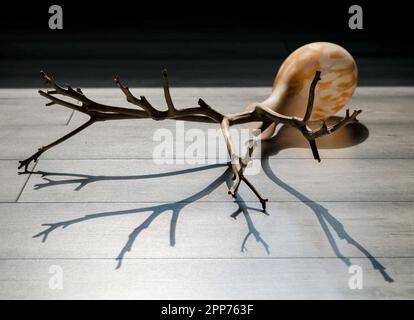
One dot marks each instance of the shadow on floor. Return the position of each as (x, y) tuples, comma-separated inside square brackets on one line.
[(285, 138), (351, 135), (176, 207)]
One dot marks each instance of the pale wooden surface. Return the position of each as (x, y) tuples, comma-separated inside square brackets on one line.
[(174, 231)]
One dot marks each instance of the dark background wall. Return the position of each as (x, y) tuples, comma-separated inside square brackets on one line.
[(211, 43)]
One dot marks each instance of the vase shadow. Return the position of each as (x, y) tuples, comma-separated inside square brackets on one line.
[(288, 137)]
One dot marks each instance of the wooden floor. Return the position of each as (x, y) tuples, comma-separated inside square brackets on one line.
[(118, 225)]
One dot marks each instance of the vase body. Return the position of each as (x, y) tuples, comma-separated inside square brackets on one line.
[(290, 90)]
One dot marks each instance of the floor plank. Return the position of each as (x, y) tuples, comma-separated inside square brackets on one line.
[(206, 230), (140, 141), (203, 279), (145, 180), (11, 183), (26, 108)]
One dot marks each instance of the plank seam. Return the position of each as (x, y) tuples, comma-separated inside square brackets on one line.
[(70, 117), (203, 201), (275, 157), (25, 183), (208, 258)]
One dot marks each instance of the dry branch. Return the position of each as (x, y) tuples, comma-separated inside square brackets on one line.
[(203, 113)]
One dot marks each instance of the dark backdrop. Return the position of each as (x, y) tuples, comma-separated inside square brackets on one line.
[(212, 43)]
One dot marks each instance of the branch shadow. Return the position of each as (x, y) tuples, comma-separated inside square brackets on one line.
[(285, 138), (82, 180), (175, 208), (350, 135), (243, 208)]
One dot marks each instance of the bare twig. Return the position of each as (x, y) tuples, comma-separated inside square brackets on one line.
[(40, 151)]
